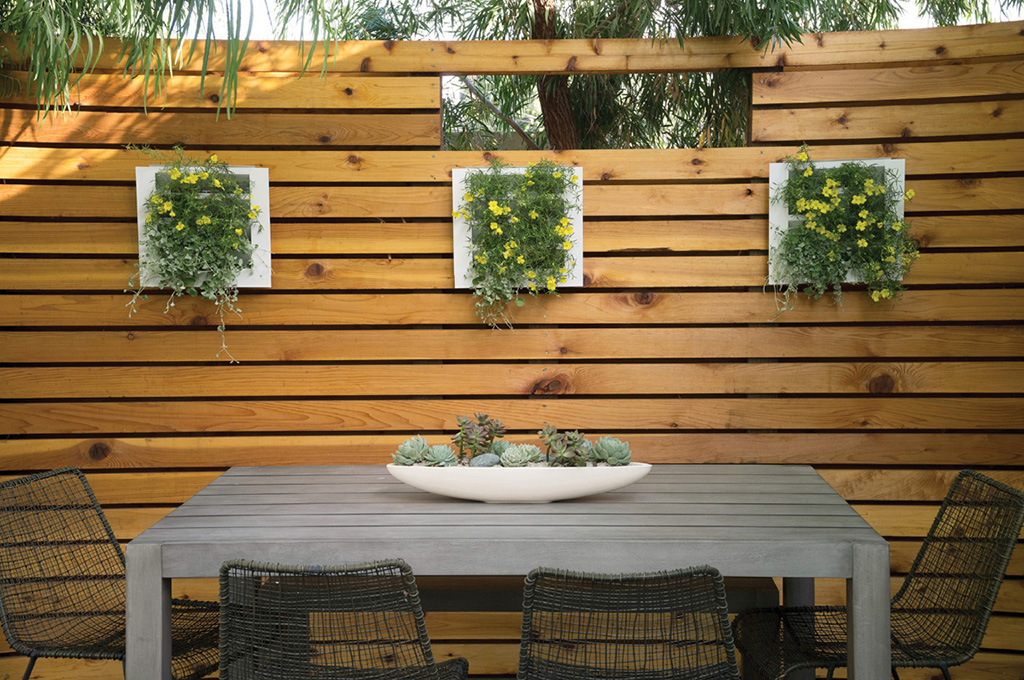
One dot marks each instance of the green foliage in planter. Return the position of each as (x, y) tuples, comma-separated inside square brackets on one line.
[(566, 449), (197, 232), (851, 227), (521, 233), (477, 436)]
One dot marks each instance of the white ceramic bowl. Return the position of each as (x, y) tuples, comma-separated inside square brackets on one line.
[(518, 485)]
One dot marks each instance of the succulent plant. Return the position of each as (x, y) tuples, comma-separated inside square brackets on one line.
[(519, 455), (411, 451), (476, 437), (440, 455), (612, 451), (565, 449), (500, 446)]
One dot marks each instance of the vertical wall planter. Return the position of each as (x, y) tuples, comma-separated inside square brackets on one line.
[(836, 222), (257, 273), (516, 231)]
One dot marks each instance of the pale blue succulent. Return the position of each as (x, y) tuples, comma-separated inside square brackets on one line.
[(500, 446), (411, 451), (612, 451), (518, 455), (440, 455)]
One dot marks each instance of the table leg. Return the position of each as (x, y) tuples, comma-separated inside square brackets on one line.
[(798, 592), (867, 600), (148, 641)]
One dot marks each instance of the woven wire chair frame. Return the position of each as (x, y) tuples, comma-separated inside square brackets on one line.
[(670, 625), (941, 611), (62, 586), (357, 622)]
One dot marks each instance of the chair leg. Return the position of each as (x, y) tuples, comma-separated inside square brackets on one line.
[(124, 667), (831, 670), (945, 673), (28, 669), (895, 675)]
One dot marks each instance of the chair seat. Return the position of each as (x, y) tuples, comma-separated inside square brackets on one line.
[(788, 639), (545, 669), (453, 669)]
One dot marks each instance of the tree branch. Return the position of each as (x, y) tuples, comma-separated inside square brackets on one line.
[(498, 112)]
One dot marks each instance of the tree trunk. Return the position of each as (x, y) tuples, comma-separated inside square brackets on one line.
[(553, 91)]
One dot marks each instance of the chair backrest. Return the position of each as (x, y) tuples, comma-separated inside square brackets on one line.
[(61, 568), (948, 595), (648, 626), (280, 622)]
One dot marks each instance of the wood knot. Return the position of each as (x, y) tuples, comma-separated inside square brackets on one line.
[(749, 192), (324, 139), (881, 45), (696, 161), (449, 50), (314, 271), (966, 181), (563, 350), (997, 113), (365, 64), (488, 156), (940, 50), (261, 48), (99, 451), (781, 61), (389, 45), (130, 336), (820, 38), (842, 120), (888, 148), (549, 386), (643, 298), (199, 320), (605, 176), (348, 91), (882, 384), (215, 98), (82, 165), (353, 160), (587, 279), (906, 132), (571, 64)]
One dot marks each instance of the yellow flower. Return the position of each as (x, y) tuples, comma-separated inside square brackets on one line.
[(238, 190), (564, 221), (896, 226), (179, 226), (533, 287), (494, 226), (574, 179), (455, 213), (171, 214), (802, 156), (875, 295), (216, 183), (863, 214), (204, 175), (252, 215), (862, 243), (566, 245), (175, 173), (561, 270), (149, 218), (506, 210), (562, 279), (910, 194), (521, 260), (511, 244), (530, 183), (808, 172), (482, 259), (533, 214), (531, 274), (468, 197), (213, 158), (859, 199), (166, 206), (556, 175), (235, 244), (513, 219), (238, 231)]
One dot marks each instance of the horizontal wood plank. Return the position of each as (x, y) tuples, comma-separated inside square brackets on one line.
[(889, 122), (420, 273), (889, 84), (184, 453), (164, 128), (591, 308), (260, 91), (160, 382), (104, 203), (601, 236), (517, 344), (22, 162), (517, 57), (862, 414)]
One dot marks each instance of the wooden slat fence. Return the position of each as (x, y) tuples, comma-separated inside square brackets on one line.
[(673, 342)]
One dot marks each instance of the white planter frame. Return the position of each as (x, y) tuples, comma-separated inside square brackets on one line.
[(462, 235), (256, 276), (780, 220)]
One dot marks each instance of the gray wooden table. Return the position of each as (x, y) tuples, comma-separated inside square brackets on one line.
[(746, 520)]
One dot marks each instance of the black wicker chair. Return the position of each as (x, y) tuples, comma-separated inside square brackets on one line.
[(62, 587), (351, 622), (654, 626), (939, 614)]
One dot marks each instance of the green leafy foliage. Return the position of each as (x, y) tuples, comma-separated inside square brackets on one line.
[(850, 226), (520, 233), (197, 232), (476, 437)]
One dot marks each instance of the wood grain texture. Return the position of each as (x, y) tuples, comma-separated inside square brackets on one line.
[(424, 274), (157, 127), (639, 307), (80, 162), (888, 84), (780, 342), (861, 414), (889, 122), (261, 91), (866, 449), (613, 56), (202, 382)]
